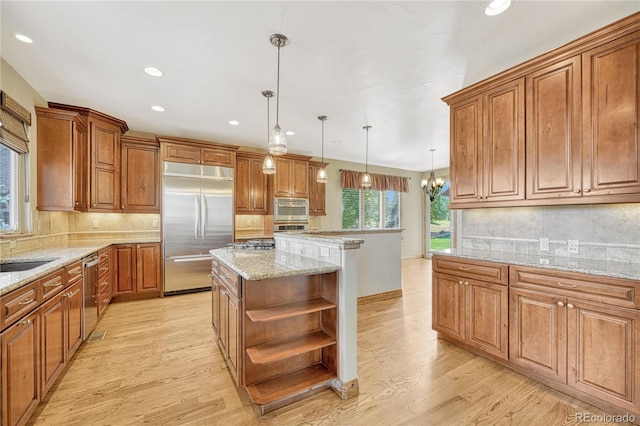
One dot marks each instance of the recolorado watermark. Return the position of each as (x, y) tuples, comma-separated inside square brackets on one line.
[(605, 418)]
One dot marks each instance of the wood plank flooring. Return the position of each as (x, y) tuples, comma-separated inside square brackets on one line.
[(159, 365)]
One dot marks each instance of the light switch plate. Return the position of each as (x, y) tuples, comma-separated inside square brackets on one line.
[(544, 244), (95, 224)]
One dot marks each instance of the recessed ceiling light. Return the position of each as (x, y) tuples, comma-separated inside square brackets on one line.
[(289, 133), (496, 7), (23, 38), (153, 71), (234, 122), (157, 108)]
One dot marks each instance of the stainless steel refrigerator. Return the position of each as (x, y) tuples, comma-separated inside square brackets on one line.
[(197, 217)]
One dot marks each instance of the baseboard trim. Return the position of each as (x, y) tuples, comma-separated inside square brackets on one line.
[(364, 300)]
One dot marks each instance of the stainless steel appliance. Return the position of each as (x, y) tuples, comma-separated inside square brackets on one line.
[(287, 210), (90, 292), (197, 217), (290, 227)]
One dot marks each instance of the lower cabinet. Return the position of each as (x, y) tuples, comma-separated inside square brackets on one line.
[(471, 311), (136, 271), (21, 369)]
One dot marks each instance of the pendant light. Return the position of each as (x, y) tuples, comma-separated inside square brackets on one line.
[(322, 173), (268, 166), (433, 186), (277, 141), (365, 180)]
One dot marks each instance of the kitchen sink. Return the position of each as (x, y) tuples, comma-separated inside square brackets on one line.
[(18, 265)]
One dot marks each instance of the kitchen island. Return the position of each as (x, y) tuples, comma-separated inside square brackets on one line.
[(286, 318)]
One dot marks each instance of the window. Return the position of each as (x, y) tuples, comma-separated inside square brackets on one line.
[(370, 209), (8, 189), (440, 220)]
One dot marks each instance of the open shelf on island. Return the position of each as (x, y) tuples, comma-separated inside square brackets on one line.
[(270, 352), (289, 310), (286, 387)]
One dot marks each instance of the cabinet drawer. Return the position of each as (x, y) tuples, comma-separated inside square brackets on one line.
[(215, 266), (613, 291), (103, 303), (105, 260), (103, 284), (229, 279), (481, 270), (73, 272), (52, 284), (18, 303)]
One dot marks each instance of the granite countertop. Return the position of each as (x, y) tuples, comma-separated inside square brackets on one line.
[(321, 237), (626, 270), (355, 231), (264, 264), (61, 257)]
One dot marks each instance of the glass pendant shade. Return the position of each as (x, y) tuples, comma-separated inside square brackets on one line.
[(365, 180), (322, 175), (269, 166), (277, 141)]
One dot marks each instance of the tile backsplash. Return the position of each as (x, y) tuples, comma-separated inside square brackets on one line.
[(604, 232)]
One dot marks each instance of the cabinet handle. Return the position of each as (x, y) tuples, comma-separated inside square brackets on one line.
[(72, 293), (460, 282), (570, 305), (54, 284), (560, 304), (577, 191), (466, 283), (27, 322), (587, 190), (567, 285), (26, 301), (462, 268)]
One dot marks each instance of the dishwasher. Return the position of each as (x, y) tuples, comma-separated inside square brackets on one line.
[(90, 290)]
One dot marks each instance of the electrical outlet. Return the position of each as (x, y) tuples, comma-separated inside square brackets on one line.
[(39, 226), (324, 251), (544, 261), (95, 224), (573, 246), (249, 222), (12, 244), (155, 223), (544, 244)]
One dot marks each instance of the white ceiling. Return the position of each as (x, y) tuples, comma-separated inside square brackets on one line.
[(382, 63)]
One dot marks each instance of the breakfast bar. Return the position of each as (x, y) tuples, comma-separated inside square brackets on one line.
[(286, 318)]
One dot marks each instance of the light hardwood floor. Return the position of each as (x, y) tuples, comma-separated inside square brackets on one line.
[(159, 364)]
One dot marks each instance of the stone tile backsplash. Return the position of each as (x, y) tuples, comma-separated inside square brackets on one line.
[(605, 232)]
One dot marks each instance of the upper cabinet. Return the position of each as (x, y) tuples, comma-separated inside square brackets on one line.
[(100, 187), (317, 190), (140, 175), (62, 160), (251, 185), (561, 128), (183, 150), (291, 178)]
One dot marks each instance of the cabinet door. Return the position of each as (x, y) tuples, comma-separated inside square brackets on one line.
[(73, 318), (447, 309), (537, 333), (603, 344), (466, 150), (486, 317), (259, 193), (21, 370), (282, 180), (53, 340), (223, 329), (148, 267), (611, 108), (217, 157), (181, 153), (125, 269), (554, 152), (234, 337), (105, 166), (316, 193), (243, 185), (80, 168), (140, 178), (215, 304), (503, 140), (300, 178)]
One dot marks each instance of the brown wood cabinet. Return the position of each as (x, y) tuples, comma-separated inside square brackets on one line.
[(292, 177), (251, 185), (53, 340), (21, 369), (103, 158), (317, 190), (578, 330), (487, 145), (62, 160), (192, 151), (140, 175), (106, 277), (582, 139), (468, 309), (137, 271)]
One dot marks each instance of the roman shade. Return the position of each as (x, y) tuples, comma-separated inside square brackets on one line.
[(14, 118), (351, 179)]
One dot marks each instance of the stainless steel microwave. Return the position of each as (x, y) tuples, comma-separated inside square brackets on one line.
[(288, 210)]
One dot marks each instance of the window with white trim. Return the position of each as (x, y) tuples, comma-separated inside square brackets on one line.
[(371, 209)]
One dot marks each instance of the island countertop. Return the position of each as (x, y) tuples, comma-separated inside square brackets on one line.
[(264, 264)]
